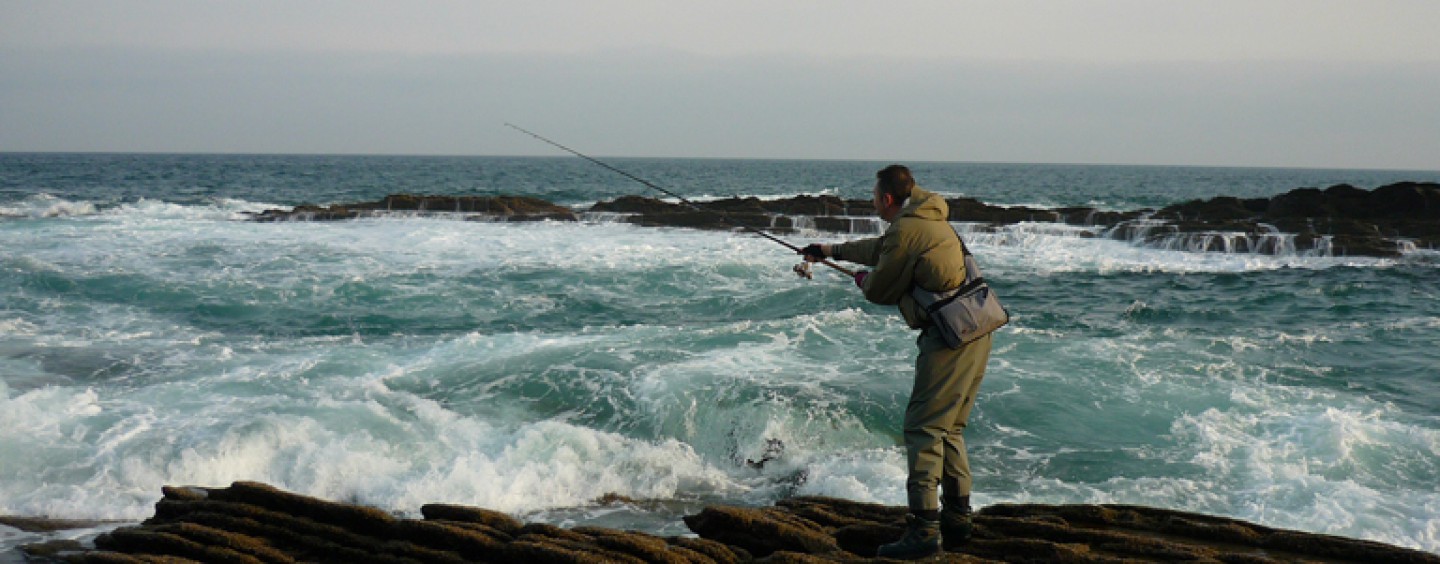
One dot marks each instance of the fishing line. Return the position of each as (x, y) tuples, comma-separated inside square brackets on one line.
[(692, 205)]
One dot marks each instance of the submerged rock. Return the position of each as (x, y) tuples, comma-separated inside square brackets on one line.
[(252, 522), (44, 525), (1340, 220)]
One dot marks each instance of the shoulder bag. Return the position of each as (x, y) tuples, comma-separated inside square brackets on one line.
[(965, 313)]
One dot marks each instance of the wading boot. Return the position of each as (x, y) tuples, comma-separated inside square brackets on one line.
[(955, 527), (921, 539)]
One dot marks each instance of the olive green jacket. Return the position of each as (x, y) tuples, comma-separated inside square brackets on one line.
[(918, 248)]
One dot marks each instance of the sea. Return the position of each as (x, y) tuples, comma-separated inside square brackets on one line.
[(150, 335)]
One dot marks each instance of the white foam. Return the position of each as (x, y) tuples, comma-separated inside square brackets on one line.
[(1035, 247), (1293, 461), (1049, 248), (868, 475), (17, 326), (1408, 324), (47, 206), (1062, 247), (364, 443), (147, 210)]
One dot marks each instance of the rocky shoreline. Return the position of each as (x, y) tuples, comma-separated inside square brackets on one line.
[(1341, 220), (250, 522)]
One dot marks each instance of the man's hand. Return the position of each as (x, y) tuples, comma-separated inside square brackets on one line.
[(860, 278), (815, 252)]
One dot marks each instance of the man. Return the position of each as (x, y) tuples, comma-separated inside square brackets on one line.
[(920, 248)]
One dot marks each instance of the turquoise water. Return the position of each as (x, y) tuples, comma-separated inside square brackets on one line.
[(148, 336)]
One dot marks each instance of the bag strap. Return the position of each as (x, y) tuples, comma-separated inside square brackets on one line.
[(971, 280), (971, 274), (963, 247)]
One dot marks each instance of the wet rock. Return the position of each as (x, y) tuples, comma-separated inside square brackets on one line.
[(51, 549), (504, 208), (761, 531), (1216, 210), (638, 204), (1300, 202), (250, 522), (44, 525), (1379, 222), (1410, 200), (460, 513)]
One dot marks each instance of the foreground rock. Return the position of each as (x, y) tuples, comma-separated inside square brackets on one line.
[(251, 522), (1340, 220)]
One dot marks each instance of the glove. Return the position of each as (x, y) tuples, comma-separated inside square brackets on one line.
[(814, 252), (860, 278)]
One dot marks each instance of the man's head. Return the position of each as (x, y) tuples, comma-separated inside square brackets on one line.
[(892, 186)]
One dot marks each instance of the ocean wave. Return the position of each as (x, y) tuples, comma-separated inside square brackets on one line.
[(216, 209), (40, 206), (394, 459), (1299, 463), (17, 326), (46, 206)]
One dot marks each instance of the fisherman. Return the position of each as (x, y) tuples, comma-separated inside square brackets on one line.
[(920, 248)]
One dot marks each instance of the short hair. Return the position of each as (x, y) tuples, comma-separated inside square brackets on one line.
[(896, 181)]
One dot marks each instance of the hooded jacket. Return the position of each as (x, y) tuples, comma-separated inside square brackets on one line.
[(918, 248)]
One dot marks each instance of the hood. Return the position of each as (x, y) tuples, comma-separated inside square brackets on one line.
[(924, 204)]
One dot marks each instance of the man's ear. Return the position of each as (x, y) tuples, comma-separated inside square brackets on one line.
[(888, 199)]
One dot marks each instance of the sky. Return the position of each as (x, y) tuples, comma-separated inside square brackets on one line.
[(1284, 83)]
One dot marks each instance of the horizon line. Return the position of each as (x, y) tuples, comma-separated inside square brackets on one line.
[(710, 158)]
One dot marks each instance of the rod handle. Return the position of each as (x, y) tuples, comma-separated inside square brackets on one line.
[(847, 271)]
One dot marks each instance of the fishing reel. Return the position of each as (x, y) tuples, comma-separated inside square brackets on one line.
[(803, 270)]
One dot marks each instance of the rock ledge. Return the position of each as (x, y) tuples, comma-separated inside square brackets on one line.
[(253, 522), (1341, 220)]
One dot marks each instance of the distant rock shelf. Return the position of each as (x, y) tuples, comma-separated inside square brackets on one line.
[(252, 522), (511, 208), (1341, 220)]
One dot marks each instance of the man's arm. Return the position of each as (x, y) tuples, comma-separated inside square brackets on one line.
[(893, 273), (862, 251)]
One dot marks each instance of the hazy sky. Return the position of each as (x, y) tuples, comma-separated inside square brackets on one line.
[(1215, 82)]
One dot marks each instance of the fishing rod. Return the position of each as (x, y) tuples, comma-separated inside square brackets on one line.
[(801, 269)]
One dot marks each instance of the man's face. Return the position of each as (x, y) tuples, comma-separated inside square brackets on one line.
[(881, 201)]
